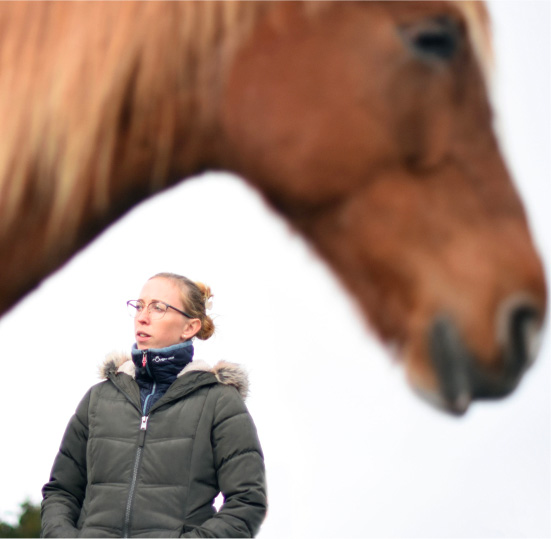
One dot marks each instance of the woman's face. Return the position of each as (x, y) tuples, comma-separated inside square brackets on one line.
[(173, 328)]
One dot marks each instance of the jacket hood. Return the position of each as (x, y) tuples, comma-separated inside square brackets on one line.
[(225, 372)]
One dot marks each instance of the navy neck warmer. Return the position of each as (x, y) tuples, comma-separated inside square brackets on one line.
[(157, 368)]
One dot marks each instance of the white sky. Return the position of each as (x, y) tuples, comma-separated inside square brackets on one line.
[(349, 450)]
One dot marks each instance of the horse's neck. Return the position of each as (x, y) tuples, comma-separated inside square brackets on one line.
[(76, 155), (107, 116)]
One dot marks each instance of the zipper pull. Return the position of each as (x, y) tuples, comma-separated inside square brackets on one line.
[(144, 359), (143, 428)]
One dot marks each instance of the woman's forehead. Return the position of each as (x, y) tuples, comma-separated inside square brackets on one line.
[(161, 289)]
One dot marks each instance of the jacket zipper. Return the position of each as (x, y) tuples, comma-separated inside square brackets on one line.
[(139, 450), (154, 388), (137, 460), (146, 401)]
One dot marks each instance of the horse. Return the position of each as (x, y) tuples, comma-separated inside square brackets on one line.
[(366, 125)]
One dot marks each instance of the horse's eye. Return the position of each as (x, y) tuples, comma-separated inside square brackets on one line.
[(435, 38)]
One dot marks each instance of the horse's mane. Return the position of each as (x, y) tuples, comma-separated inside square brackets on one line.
[(56, 129), (478, 24), (57, 133)]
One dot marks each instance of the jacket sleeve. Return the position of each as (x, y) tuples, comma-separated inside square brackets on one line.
[(63, 494), (239, 462)]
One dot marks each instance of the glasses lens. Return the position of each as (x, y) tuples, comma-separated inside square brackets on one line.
[(156, 310), (134, 308)]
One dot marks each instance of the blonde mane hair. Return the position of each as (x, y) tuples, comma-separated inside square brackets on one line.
[(58, 131), (63, 145), (478, 25)]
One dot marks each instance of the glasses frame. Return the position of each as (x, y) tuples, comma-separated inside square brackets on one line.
[(130, 302)]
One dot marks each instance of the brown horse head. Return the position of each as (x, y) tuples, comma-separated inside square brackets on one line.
[(365, 124), (384, 156)]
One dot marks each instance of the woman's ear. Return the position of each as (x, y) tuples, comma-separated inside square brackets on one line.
[(192, 328)]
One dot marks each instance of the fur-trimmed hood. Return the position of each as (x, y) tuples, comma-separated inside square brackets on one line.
[(225, 372)]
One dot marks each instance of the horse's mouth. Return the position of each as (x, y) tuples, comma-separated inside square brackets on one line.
[(461, 379)]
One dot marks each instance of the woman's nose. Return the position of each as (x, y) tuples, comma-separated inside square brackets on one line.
[(143, 316)]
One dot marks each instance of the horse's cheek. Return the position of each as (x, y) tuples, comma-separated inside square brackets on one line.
[(307, 113)]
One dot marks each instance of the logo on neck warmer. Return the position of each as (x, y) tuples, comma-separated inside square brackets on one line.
[(159, 359)]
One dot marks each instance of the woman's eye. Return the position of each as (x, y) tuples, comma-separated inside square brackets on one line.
[(158, 307)]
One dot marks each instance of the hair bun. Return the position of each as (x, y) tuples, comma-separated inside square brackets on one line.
[(207, 294), (196, 298), (207, 328)]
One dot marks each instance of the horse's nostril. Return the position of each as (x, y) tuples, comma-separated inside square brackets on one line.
[(451, 362), (518, 329), (519, 325), (461, 378)]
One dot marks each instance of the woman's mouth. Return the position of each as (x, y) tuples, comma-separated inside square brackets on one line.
[(141, 336)]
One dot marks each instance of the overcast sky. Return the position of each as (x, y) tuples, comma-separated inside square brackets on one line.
[(350, 451)]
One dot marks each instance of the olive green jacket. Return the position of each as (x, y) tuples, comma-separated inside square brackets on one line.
[(118, 474)]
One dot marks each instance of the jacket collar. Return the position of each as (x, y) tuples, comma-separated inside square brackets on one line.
[(227, 373), (161, 364)]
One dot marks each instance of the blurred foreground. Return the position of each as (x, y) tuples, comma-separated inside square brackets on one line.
[(28, 523)]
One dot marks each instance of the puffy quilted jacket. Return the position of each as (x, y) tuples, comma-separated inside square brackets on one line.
[(118, 474)]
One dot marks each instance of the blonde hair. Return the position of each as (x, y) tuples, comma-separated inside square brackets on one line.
[(195, 296)]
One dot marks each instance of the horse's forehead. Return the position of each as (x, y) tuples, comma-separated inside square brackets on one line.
[(474, 12), (478, 23), (475, 15)]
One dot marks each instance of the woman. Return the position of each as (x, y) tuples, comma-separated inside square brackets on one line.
[(149, 449)]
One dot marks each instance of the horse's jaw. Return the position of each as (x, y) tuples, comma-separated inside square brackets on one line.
[(461, 379), (464, 320)]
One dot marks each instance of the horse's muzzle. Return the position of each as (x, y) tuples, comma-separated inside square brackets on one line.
[(461, 378)]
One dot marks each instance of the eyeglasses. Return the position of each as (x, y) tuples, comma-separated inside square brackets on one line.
[(156, 309)]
